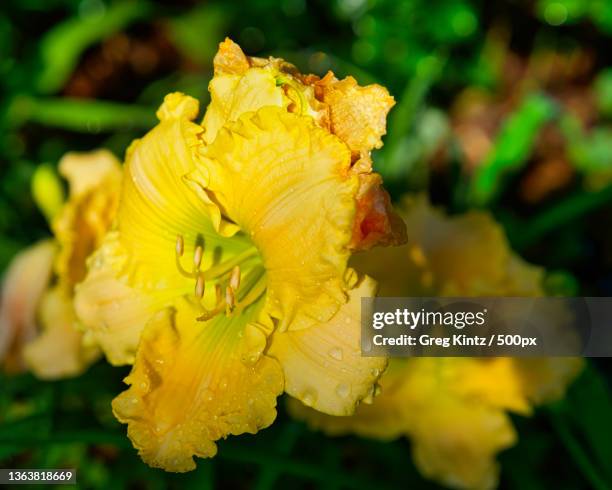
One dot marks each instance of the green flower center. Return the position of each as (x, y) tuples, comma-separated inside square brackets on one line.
[(238, 281)]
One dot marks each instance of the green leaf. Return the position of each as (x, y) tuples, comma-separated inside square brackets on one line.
[(590, 407), (394, 163), (513, 146), (80, 115), (61, 47), (198, 32), (556, 216), (603, 92)]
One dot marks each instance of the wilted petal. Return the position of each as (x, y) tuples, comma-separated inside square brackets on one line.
[(358, 114)]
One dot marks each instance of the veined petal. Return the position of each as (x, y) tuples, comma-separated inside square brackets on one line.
[(190, 387), (157, 205), (287, 184), (23, 285), (323, 365), (58, 351)]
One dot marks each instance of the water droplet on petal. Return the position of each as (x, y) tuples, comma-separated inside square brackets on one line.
[(336, 353), (343, 390), (308, 398)]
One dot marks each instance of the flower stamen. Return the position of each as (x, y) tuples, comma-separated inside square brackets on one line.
[(200, 286), (235, 278), (220, 306), (230, 300), (197, 257), (224, 302), (180, 250)]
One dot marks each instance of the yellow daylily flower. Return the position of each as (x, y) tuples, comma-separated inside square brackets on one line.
[(37, 316), (454, 410), (225, 281)]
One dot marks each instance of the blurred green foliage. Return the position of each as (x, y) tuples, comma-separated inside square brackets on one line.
[(80, 74)]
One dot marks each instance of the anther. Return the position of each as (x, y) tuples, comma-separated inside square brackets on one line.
[(199, 287), (234, 281), (230, 299), (180, 245), (197, 256), (180, 250)]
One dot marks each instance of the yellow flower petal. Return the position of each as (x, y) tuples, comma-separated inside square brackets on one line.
[(23, 285), (113, 312), (455, 438), (466, 255), (545, 380), (94, 180), (453, 409), (376, 223), (461, 455), (189, 388), (323, 365), (495, 382), (238, 87), (380, 418), (230, 59), (286, 183), (58, 351), (244, 84), (135, 273), (157, 205), (358, 114), (47, 191)]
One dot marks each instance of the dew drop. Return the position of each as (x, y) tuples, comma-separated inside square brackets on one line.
[(308, 399), (375, 372), (336, 353), (343, 390)]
